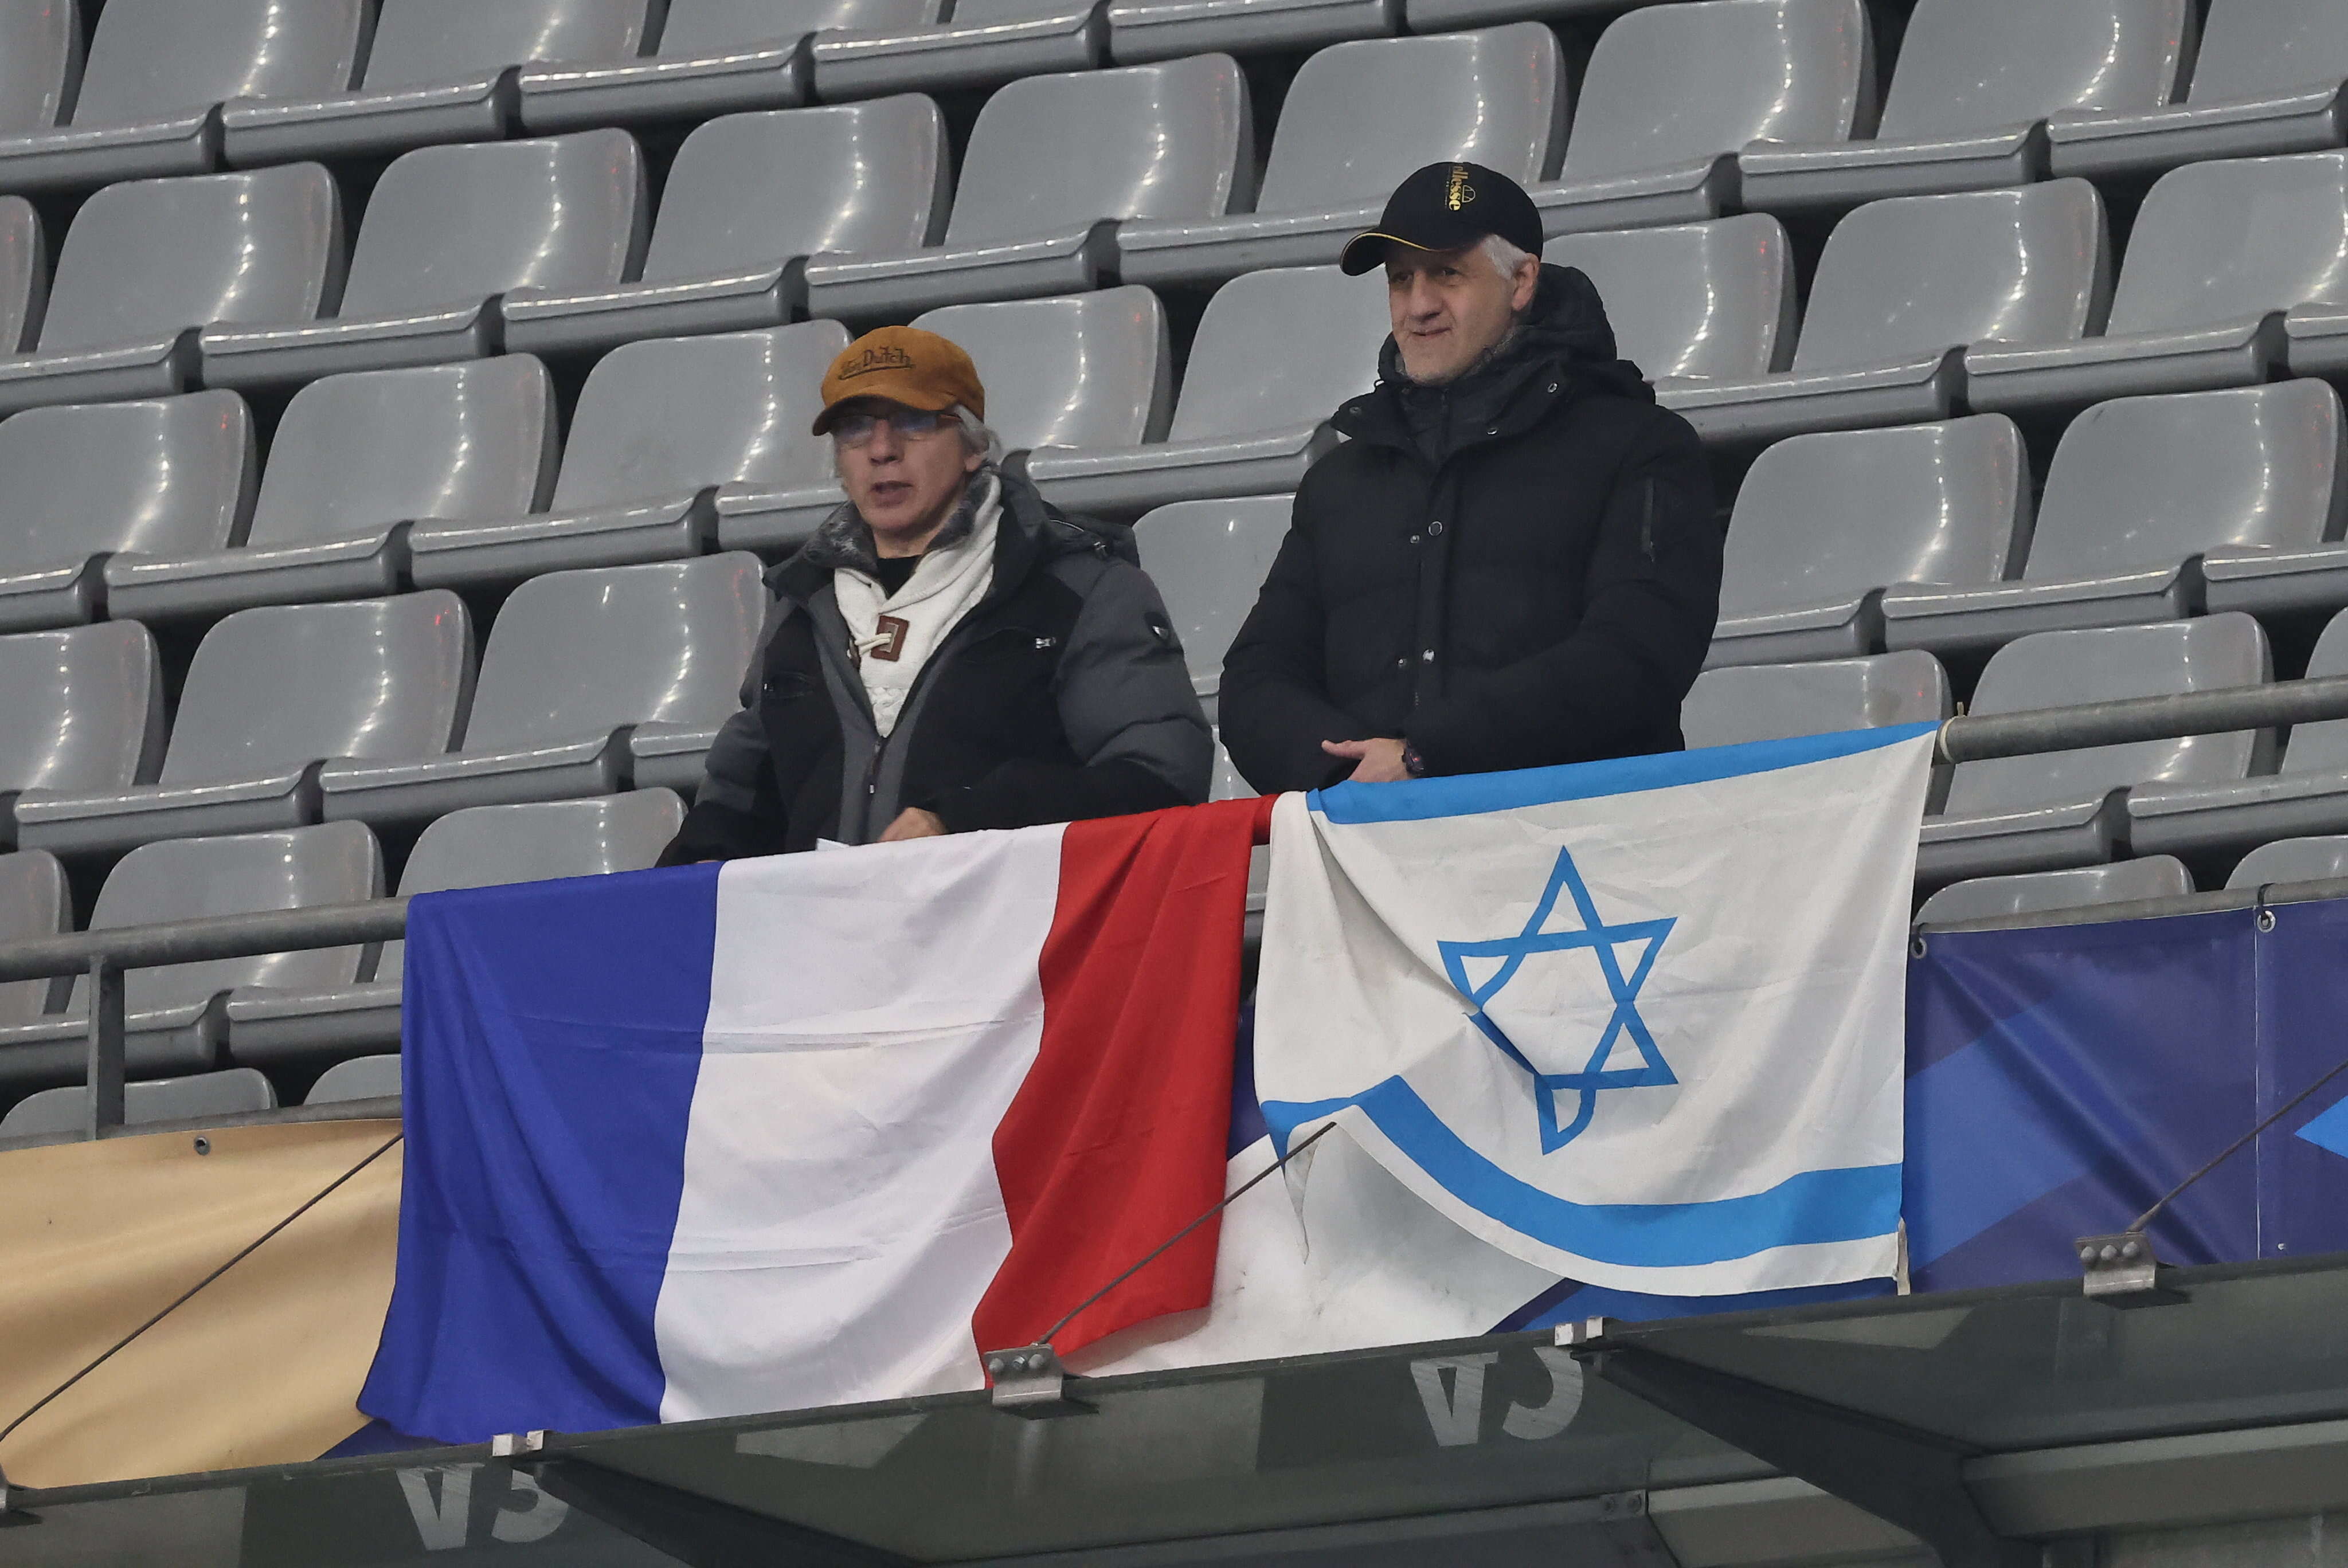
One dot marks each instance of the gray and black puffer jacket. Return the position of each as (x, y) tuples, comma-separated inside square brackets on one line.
[(1062, 696)]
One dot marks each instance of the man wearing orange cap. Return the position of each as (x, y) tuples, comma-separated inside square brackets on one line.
[(948, 652)]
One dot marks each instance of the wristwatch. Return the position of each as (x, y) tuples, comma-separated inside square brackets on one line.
[(1412, 762)]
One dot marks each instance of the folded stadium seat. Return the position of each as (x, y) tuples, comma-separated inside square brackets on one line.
[(1083, 369), (2044, 892), (175, 1015), (980, 44), (360, 1078), (1275, 353), (80, 482), (2267, 80), (148, 263), (356, 460), (35, 902), (675, 442), (231, 1092), (1141, 30), (1208, 559), (1055, 166), (1713, 299), (2066, 808), (438, 70), (2140, 489), (1673, 91), (40, 64), (2309, 794), (449, 231), (714, 58), (81, 713), (1740, 702), (2227, 263), (1902, 287), (485, 847), (590, 678), (158, 74), (748, 198), (1826, 524), (273, 694), (2321, 858), (1970, 96), (1358, 119)]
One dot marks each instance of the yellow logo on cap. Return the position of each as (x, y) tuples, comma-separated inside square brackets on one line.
[(1458, 193)]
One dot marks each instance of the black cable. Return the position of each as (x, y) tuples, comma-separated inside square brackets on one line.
[(189, 1294), (2294, 1103)]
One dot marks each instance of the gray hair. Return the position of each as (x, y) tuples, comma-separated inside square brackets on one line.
[(1504, 256)]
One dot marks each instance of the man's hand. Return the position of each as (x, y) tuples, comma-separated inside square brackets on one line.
[(914, 823), (1380, 760)]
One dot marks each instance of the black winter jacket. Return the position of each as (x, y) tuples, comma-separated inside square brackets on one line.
[(1517, 569), (1062, 696)]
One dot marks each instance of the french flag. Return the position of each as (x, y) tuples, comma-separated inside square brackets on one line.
[(810, 1130)]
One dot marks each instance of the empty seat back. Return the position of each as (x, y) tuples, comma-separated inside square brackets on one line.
[(1672, 84), (1056, 152), (153, 58), (2322, 747), (1826, 517), (1916, 275), (421, 41), (1973, 65), (81, 711), (2236, 237), (24, 274), (751, 190), (2150, 481), (1745, 703), (578, 653), (231, 1092), (1281, 348), (363, 451), (34, 903), (1696, 299), (40, 59), (360, 1078), (715, 27), (276, 688), (2323, 858), (1208, 559), (1084, 370), (1360, 115), (2250, 47), (167, 475), (448, 225), (2042, 892), (151, 257), (2060, 669), (666, 415)]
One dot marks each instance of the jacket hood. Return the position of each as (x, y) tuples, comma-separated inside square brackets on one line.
[(1566, 325)]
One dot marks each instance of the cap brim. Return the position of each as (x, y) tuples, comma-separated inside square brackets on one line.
[(1367, 250)]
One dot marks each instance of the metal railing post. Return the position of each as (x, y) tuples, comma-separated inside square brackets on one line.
[(107, 1048)]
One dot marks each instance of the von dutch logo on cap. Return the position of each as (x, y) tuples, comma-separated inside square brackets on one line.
[(879, 357)]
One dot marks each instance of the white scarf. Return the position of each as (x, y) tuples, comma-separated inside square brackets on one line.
[(893, 634)]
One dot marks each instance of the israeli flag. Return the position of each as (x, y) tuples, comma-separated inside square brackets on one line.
[(1636, 1023)]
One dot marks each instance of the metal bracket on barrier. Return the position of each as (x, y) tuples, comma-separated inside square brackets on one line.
[(12, 1504), (513, 1445), (1031, 1382), (2122, 1270), (107, 1048)]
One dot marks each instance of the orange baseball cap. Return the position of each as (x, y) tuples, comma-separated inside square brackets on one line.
[(905, 365)]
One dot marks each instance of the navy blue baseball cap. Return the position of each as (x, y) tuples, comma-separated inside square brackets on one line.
[(1447, 207)]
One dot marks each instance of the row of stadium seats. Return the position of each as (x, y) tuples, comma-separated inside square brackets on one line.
[(228, 1091)]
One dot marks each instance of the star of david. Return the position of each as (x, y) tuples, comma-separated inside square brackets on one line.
[(1602, 941)]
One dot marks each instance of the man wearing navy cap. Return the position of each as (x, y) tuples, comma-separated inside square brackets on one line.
[(1514, 561)]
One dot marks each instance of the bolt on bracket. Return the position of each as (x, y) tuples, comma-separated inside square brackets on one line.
[(2122, 1270)]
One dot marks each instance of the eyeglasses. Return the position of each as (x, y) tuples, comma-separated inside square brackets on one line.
[(910, 424)]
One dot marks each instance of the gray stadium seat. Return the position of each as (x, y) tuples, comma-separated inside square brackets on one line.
[(748, 198), (159, 70), (2140, 489), (24, 275), (148, 262), (986, 42), (675, 442), (481, 847), (1902, 287), (1358, 119), (2227, 263), (231, 1091), (356, 459), (81, 482), (273, 692), (1275, 353), (438, 70), (2320, 859), (1730, 706), (715, 56), (360, 1078), (2267, 80), (2046, 891), (1208, 559), (1826, 523), (2066, 808), (1713, 299), (174, 1014), (40, 64), (2309, 794), (589, 678), (449, 231), (1968, 100), (1142, 30), (1083, 369), (35, 902), (1674, 91), (81, 713), (1055, 166)]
